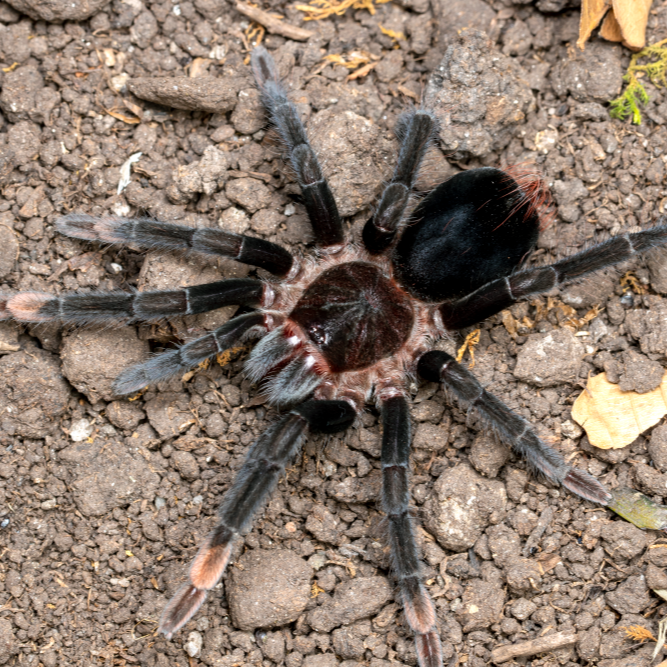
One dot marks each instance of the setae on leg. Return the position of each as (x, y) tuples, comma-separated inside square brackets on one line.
[(513, 430), (415, 130), (124, 306), (265, 462), (504, 292), (317, 196), (175, 362), (149, 234), (419, 609)]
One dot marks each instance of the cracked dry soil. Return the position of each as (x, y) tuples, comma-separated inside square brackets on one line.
[(103, 501)]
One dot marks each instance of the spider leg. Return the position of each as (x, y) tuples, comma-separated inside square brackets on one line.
[(317, 196), (415, 130), (265, 462), (142, 306), (502, 293), (418, 606), (175, 362), (513, 430), (151, 234)]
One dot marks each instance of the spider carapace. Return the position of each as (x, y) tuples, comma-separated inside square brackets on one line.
[(355, 321)]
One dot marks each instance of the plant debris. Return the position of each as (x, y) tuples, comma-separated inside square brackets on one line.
[(322, 9), (635, 95), (613, 418)]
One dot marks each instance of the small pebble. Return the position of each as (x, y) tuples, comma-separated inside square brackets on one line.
[(193, 645)]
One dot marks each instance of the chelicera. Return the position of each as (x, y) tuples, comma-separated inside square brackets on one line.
[(353, 322)]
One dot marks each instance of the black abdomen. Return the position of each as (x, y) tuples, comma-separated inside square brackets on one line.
[(354, 315), (473, 228)]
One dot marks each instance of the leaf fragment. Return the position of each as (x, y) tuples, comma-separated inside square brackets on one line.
[(638, 509), (613, 418)]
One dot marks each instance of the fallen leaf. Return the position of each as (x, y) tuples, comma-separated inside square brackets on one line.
[(638, 509), (624, 21), (592, 12), (613, 418)]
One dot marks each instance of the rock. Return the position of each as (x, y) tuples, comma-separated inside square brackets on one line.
[(353, 600), (273, 646), (10, 250), (461, 506), (186, 464), (249, 115), (358, 157), (656, 577), (58, 11), (482, 605), (623, 539), (479, 95), (631, 596), (23, 140), (549, 359), (650, 480), (592, 75), (656, 261), (124, 414), (320, 660), (169, 413), (250, 193), (357, 489), (457, 15), (8, 645), (657, 447), (649, 327), (324, 526), (92, 359), (640, 374), (268, 589), (33, 394), (19, 91), (108, 474), (203, 93), (430, 437), (487, 454), (202, 177)]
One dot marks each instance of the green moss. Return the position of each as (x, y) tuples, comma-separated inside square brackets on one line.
[(635, 95)]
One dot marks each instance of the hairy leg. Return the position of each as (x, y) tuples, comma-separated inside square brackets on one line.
[(175, 362), (133, 307), (502, 293), (513, 430), (418, 606), (257, 478), (415, 130), (151, 234), (319, 200)]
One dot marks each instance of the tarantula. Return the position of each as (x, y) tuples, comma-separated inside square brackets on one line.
[(352, 322)]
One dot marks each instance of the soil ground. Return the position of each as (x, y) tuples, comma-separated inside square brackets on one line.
[(105, 500)]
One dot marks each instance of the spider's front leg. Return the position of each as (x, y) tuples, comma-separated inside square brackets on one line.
[(513, 430), (265, 462), (418, 606)]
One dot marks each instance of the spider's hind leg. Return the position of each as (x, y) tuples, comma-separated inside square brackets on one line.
[(317, 196), (513, 430), (418, 606), (175, 362), (265, 462)]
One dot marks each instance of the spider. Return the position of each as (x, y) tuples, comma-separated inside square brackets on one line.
[(355, 321)]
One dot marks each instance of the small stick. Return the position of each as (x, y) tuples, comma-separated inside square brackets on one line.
[(272, 24), (532, 647)]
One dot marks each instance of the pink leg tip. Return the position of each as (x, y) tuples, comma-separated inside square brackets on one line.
[(27, 307), (181, 608)]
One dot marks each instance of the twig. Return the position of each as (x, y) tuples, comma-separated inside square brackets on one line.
[(272, 24), (533, 647)]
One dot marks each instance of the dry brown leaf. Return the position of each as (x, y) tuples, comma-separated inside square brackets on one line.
[(592, 12), (613, 418), (632, 16), (625, 22)]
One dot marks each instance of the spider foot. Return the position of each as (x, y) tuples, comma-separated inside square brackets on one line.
[(32, 307), (586, 486), (181, 608), (429, 651)]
